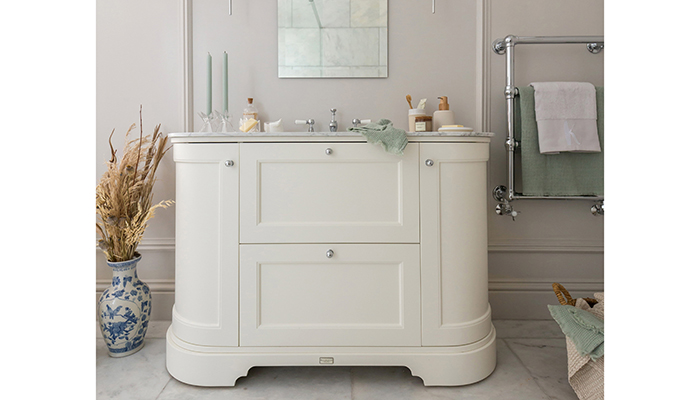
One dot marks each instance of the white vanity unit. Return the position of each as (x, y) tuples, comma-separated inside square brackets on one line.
[(321, 249)]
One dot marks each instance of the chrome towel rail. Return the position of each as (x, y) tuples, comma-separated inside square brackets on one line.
[(506, 46)]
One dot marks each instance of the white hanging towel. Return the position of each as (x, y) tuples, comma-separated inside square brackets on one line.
[(566, 117)]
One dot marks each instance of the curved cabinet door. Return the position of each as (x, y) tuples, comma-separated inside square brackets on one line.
[(328, 193), (206, 233), (454, 259)]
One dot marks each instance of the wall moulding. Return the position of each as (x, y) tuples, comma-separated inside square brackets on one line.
[(495, 245), (153, 244), (168, 285), (155, 285), (534, 285), (546, 246)]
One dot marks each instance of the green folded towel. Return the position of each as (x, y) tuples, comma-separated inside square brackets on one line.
[(392, 139), (582, 327), (564, 174)]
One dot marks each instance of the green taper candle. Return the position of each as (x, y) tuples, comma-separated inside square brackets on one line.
[(208, 84), (225, 79)]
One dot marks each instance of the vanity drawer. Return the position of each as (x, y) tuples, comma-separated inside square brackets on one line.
[(328, 193), (302, 295)]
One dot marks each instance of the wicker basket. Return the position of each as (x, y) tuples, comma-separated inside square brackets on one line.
[(585, 375), (566, 299)]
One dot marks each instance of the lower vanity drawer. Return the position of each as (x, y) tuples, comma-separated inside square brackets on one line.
[(330, 295)]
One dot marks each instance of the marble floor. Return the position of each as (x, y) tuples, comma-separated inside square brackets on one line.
[(531, 365)]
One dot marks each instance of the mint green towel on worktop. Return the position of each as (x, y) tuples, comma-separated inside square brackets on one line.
[(393, 140), (564, 174), (583, 328)]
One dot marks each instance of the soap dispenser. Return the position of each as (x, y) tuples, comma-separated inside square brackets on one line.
[(443, 116)]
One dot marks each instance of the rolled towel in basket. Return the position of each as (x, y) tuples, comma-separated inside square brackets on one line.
[(566, 117), (582, 327)]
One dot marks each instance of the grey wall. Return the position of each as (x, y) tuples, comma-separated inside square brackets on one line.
[(552, 240), (140, 47), (429, 56), (138, 63)]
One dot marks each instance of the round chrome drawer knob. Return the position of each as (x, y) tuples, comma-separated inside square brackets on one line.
[(429, 162), (329, 151), (228, 163), (330, 253)]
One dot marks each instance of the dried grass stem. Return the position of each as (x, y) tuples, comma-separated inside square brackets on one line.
[(124, 195)]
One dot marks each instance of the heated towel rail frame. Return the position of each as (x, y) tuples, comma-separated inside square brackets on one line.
[(504, 195)]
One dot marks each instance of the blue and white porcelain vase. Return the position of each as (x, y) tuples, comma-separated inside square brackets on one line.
[(125, 309)]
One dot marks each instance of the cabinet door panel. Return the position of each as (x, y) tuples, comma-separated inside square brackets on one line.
[(364, 295), (454, 258), (328, 192), (206, 233)]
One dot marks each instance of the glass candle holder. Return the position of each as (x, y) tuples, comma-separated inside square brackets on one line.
[(207, 122), (223, 122)]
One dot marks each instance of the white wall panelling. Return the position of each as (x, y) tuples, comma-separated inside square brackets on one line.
[(186, 62)]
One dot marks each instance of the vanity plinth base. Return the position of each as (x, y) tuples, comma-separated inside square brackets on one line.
[(437, 366)]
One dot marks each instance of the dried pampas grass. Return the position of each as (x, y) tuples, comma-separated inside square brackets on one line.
[(124, 193)]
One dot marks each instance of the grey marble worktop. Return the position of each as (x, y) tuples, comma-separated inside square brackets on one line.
[(319, 134)]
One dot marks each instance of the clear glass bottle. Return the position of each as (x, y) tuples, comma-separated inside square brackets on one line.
[(250, 112)]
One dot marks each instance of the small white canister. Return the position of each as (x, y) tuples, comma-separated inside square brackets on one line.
[(412, 114), (275, 126)]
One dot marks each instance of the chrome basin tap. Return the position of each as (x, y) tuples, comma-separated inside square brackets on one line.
[(309, 122), (334, 124), (356, 122)]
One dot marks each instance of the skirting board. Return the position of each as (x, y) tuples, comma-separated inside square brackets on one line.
[(527, 304), (509, 300)]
